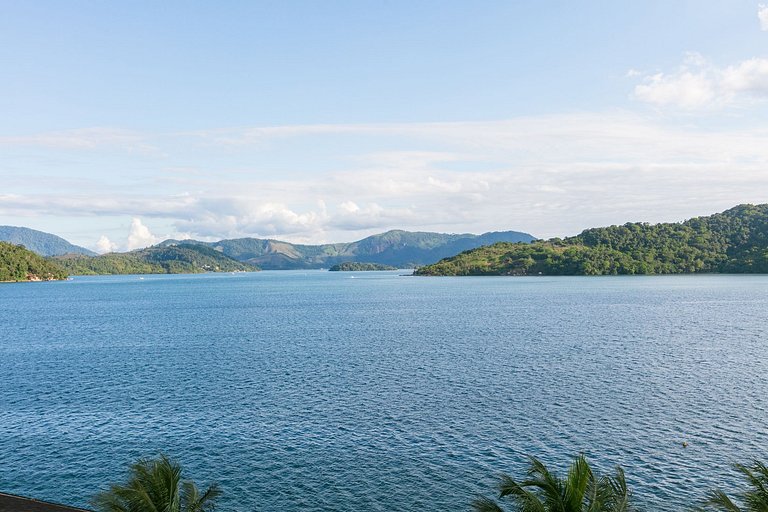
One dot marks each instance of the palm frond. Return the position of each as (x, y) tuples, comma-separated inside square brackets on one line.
[(550, 486), (193, 501), (579, 478), (484, 504), (154, 485), (544, 491), (756, 498), (621, 497), (526, 501), (720, 501)]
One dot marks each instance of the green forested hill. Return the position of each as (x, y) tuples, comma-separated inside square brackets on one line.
[(734, 241), (402, 249), (175, 259), (20, 264), (44, 244)]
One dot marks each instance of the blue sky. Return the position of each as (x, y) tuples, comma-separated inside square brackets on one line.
[(124, 123)]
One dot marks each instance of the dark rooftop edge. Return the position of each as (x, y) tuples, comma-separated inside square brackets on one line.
[(13, 503)]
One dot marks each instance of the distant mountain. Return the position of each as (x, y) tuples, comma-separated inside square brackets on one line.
[(734, 241), (44, 244), (20, 264), (176, 259), (401, 249)]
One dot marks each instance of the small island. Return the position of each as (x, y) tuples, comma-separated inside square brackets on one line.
[(356, 266)]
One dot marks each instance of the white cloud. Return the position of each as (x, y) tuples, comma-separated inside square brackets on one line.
[(698, 84), (749, 76), (762, 15), (83, 138), (684, 89), (550, 175), (351, 217), (105, 245), (349, 207), (238, 216), (139, 236), (257, 136)]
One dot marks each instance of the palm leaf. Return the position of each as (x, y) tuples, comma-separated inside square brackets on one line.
[(484, 504), (720, 501), (543, 491), (154, 485)]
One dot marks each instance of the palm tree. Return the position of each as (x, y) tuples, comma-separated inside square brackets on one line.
[(155, 485), (544, 491), (755, 499)]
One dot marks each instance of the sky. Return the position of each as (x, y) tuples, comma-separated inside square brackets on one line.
[(126, 123)]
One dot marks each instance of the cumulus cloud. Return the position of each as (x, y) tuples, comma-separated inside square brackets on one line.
[(749, 76), (238, 216), (105, 245), (232, 218), (762, 15), (352, 217), (349, 207), (699, 84), (139, 236)]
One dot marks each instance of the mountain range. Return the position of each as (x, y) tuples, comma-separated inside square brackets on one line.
[(734, 241), (397, 248), (402, 249)]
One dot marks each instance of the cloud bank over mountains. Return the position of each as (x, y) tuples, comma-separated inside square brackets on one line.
[(550, 175), (687, 140)]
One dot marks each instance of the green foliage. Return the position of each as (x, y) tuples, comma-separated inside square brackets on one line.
[(734, 241), (581, 490), (356, 266), (175, 259), (754, 499), (155, 485), (19, 264)]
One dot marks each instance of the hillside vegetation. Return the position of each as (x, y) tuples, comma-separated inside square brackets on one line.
[(176, 259), (20, 264), (735, 241), (44, 244), (401, 249)]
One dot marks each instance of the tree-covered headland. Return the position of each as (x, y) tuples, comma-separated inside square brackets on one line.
[(734, 241), (20, 264), (174, 259)]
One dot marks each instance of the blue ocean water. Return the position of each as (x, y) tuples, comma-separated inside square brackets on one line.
[(374, 391)]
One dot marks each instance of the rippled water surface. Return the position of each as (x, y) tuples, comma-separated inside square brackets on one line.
[(316, 391)]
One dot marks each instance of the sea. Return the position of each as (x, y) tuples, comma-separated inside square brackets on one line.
[(380, 391)]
